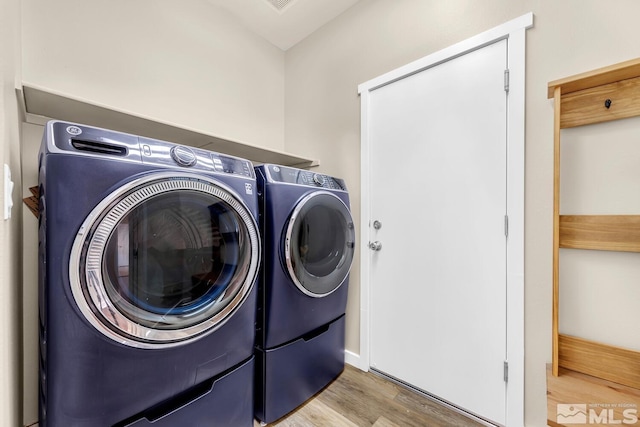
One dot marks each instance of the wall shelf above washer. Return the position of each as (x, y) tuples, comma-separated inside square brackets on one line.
[(41, 104)]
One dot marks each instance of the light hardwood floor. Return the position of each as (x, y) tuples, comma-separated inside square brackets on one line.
[(573, 389), (361, 399), (358, 398)]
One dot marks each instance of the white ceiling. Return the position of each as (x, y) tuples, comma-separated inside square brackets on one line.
[(289, 25)]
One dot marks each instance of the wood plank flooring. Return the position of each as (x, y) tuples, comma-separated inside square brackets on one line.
[(361, 399)]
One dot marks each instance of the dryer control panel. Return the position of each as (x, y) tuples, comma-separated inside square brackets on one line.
[(304, 177)]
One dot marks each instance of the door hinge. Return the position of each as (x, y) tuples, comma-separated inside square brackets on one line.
[(506, 226), (506, 80), (506, 371)]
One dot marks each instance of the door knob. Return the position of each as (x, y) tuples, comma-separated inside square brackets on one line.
[(375, 246)]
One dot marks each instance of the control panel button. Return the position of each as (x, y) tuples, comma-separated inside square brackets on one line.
[(318, 179), (183, 156)]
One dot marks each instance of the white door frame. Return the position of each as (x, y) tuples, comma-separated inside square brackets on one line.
[(514, 31)]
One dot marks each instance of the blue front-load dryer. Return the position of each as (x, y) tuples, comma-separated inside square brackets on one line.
[(308, 241), (148, 255)]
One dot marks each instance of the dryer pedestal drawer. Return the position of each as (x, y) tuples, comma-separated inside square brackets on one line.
[(288, 375)]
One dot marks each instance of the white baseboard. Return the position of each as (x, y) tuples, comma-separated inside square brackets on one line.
[(353, 359)]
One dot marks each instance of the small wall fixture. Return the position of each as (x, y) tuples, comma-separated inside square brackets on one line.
[(8, 190)]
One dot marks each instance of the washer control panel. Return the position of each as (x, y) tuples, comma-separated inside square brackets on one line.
[(160, 152), (95, 142), (234, 165), (304, 177)]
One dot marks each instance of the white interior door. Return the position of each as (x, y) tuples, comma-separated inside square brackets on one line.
[(438, 188)]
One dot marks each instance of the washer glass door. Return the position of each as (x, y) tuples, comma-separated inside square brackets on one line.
[(164, 260), (319, 244)]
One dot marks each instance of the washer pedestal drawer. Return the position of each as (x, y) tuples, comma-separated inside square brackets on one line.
[(223, 401)]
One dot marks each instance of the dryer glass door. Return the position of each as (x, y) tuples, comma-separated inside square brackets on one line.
[(319, 244), (165, 261)]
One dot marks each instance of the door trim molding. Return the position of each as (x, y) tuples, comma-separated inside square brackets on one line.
[(514, 32)]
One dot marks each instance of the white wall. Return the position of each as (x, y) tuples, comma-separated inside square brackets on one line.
[(375, 36), (600, 175), (10, 230), (186, 62)]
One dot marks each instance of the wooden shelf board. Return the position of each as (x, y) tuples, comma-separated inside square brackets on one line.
[(575, 388), (616, 364), (601, 76), (600, 232), (588, 106), (41, 104)]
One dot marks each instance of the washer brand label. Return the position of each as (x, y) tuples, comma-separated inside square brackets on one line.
[(74, 130), (248, 188)]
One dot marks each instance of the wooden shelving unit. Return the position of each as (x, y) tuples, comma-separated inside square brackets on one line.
[(42, 104), (602, 95)]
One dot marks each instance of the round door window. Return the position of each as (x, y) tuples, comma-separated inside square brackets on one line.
[(319, 244), (164, 259)]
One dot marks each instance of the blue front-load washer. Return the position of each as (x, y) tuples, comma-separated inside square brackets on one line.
[(148, 255), (308, 241)]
